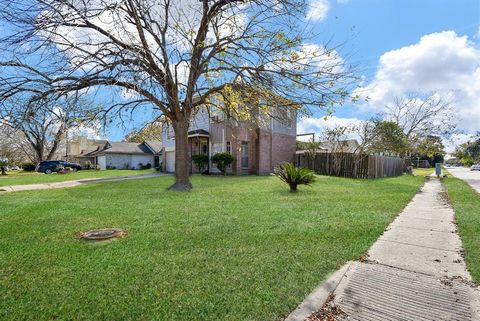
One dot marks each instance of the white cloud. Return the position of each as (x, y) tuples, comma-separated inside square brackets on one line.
[(318, 10), (328, 61), (91, 131), (444, 63), (455, 140), (318, 125)]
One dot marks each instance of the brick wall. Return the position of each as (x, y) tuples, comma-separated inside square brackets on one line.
[(283, 148), (240, 135), (264, 152)]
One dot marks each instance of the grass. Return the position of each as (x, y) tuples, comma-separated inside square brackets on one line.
[(423, 171), (234, 248), (23, 178), (466, 203)]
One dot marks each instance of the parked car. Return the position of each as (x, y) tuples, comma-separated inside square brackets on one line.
[(475, 167), (14, 168), (51, 166)]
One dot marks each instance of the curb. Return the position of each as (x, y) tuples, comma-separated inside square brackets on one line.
[(315, 300)]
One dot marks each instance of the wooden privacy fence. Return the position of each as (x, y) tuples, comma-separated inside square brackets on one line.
[(352, 165)]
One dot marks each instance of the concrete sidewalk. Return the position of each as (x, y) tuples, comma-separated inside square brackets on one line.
[(415, 271), (73, 183)]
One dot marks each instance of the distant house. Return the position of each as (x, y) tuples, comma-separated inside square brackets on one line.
[(121, 155), (344, 146), (256, 148), (79, 147)]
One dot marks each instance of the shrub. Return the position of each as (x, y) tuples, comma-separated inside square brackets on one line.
[(147, 166), (63, 170), (111, 167), (88, 165), (201, 161), (294, 176), (28, 167), (222, 161)]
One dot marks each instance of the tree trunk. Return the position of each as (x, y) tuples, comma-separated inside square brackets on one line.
[(293, 188), (182, 159), (3, 170)]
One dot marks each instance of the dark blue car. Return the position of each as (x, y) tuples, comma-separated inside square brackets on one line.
[(51, 166)]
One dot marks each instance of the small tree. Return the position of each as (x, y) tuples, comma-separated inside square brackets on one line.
[(336, 141), (294, 176), (201, 161), (222, 161)]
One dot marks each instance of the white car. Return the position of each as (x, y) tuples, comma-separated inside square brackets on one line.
[(475, 167)]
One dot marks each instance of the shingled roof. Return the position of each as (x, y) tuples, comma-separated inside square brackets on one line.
[(155, 146), (124, 148)]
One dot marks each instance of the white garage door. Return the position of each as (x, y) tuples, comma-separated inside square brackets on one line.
[(102, 162), (170, 159)]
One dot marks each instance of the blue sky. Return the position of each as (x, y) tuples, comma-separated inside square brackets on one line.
[(436, 42), (398, 46)]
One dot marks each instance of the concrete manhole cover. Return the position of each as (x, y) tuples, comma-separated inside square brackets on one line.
[(103, 234)]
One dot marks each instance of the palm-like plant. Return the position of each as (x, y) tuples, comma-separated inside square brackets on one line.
[(294, 176)]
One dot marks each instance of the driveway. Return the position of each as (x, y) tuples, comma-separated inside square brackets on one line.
[(471, 177), (73, 183)]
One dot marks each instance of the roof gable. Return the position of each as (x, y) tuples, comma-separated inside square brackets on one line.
[(125, 148)]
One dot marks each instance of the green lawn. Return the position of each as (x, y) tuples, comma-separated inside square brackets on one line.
[(234, 248), (22, 178), (423, 171), (466, 203)]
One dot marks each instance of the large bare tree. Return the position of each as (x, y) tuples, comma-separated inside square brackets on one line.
[(178, 56), (41, 126), (420, 117)]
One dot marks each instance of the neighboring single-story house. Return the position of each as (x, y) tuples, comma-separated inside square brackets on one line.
[(122, 155)]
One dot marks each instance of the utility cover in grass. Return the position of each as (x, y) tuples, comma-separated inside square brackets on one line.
[(103, 234)]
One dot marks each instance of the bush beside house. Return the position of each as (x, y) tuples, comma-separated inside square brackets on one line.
[(222, 161)]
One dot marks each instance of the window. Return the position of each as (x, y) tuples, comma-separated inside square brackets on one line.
[(229, 148), (244, 154)]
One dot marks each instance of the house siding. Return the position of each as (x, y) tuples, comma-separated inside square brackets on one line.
[(119, 161), (143, 159)]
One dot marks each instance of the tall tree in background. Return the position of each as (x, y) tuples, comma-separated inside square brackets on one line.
[(43, 124), (387, 137), (421, 117), (469, 153), (174, 55), (14, 144), (431, 146), (152, 131)]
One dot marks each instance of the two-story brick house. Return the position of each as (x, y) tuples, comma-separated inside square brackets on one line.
[(256, 149)]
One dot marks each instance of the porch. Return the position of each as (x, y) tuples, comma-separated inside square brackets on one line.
[(199, 143)]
